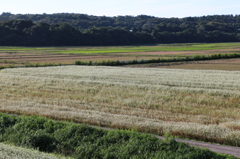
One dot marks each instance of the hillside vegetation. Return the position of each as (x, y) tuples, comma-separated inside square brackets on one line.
[(80, 29)]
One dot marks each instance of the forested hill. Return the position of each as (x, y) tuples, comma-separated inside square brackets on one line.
[(81, 29)]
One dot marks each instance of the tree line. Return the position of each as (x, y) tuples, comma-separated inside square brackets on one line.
[(82, 30)]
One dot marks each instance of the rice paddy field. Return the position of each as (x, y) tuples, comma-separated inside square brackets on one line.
[(23, 56), (195, 104)]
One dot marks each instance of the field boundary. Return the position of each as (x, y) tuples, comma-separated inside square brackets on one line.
[(179, 59)]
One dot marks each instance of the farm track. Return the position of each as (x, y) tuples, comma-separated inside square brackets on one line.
[(230, 150), (235, 151)]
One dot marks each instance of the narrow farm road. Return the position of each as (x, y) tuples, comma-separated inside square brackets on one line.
[(235, 151)]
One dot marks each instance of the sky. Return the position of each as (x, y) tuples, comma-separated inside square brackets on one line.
[(157, 8)]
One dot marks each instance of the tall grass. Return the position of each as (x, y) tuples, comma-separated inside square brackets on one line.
[(196, 104)]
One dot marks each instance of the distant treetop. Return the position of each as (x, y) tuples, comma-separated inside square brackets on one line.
[(82, 29)]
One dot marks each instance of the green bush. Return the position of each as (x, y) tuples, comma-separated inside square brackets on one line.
[(42, 141), (80, 141)]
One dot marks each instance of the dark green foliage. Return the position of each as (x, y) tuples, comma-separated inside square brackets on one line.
[(81, 29), (159, 60), (42, 141), (5, 123), (73, 136), (41, 65), (80, 141)]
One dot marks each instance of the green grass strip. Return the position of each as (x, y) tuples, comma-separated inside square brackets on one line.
[(132, 49), (118, 49)]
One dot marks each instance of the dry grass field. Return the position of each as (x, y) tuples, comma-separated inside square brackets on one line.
[(197, 104)]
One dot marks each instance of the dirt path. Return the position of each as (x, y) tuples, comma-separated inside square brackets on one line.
[(235, 151)]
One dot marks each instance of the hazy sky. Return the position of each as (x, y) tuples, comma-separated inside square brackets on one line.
[(158, 8)]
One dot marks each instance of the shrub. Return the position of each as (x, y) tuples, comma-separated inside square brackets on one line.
[(42, 141)]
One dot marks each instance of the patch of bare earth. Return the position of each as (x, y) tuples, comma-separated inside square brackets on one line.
[(226, 64)]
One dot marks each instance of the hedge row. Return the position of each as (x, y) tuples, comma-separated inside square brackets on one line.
[(160, 60)]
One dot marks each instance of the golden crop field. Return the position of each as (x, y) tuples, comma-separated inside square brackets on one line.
[(198, 104)]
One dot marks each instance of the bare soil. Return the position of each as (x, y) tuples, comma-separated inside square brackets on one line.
[(222, 64)]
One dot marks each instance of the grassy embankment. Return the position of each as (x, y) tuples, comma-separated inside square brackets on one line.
[(79, 141), (202, 105)]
